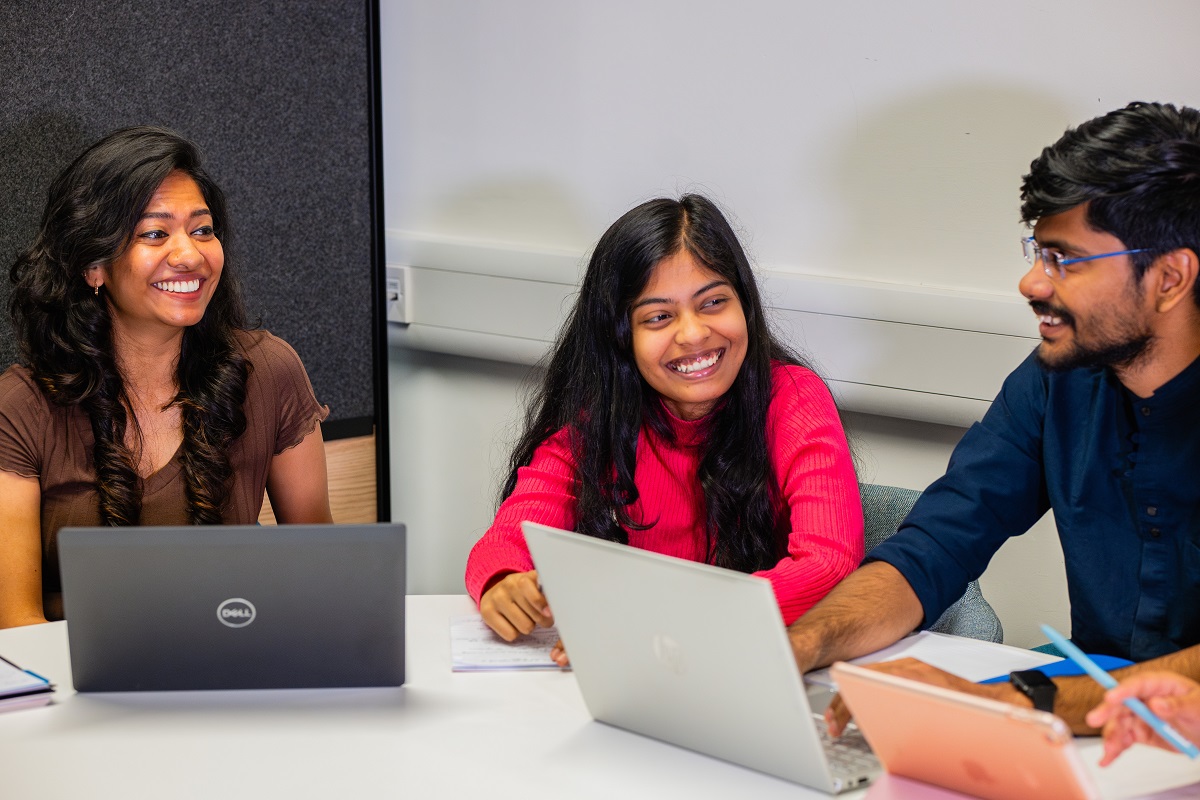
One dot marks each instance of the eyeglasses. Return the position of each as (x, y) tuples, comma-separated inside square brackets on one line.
[(1053, 261)]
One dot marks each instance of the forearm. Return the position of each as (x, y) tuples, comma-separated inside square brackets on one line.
[(20, 551), (1077, 695), (24, 617), (873, 608)]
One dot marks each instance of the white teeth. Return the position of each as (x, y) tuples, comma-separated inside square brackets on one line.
[(696, 366), (178, 286), (1046, 319)]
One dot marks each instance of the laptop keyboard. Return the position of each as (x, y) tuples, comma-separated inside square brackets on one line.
[(849, 754)]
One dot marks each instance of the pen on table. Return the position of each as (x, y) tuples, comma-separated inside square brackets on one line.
[(1169, 734)]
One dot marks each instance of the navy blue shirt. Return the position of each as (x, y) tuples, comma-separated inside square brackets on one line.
[(1123, 477)]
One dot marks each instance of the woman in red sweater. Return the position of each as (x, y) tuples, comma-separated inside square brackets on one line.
[(671, 419)]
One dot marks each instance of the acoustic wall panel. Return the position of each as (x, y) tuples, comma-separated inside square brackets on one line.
[(282, 97), (279, 97)]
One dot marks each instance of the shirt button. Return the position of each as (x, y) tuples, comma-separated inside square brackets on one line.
[(1152, 510), (1155, 532), (1145, 411)]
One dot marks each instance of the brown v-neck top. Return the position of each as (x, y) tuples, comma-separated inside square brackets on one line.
[(54, 444)]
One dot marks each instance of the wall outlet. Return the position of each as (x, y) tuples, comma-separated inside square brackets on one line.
[(399, 295)]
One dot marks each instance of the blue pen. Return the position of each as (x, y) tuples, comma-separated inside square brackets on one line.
[(1172, 736)]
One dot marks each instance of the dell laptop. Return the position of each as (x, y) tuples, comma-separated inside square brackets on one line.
[(690, 654), (234, 607)]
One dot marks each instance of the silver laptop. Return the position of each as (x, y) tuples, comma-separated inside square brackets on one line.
[(234, 607), (690, 654)]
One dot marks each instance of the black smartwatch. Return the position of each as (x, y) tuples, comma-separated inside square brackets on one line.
[(1034, 684)]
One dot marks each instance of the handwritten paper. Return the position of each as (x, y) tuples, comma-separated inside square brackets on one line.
[(474, 647)]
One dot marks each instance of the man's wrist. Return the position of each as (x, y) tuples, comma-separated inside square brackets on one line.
[(1035, 685), (1006, 693)]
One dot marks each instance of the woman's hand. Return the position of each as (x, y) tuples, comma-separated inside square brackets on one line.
[(558, 654), (1174, 698), (515, 605)]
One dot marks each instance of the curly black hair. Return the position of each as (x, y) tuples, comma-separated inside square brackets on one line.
[(64, 329)]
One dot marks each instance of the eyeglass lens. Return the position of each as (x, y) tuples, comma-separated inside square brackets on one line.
[(1049, 258)]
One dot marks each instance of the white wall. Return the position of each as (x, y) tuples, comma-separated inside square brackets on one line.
[(860, 139), (863, 139)]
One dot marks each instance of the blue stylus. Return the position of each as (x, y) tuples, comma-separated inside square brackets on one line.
[(1172, 736)]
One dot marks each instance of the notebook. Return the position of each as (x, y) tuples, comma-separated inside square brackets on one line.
[(961, 742), (234, 607), (686, 653)]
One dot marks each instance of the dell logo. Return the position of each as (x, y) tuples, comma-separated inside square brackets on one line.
[(236, 612)]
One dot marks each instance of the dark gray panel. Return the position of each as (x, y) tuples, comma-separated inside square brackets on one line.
[(277, 94)]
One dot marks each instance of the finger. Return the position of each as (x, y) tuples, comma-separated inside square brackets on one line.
[(503, 615), (837, 716), (1116, 741), (1101, 714), (558, 654), (527, 595), (499, 623)]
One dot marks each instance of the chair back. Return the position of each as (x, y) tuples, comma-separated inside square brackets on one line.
[(884, 508)]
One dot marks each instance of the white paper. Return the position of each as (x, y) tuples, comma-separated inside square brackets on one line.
[(474, 647), (14, 680), (972, 659)]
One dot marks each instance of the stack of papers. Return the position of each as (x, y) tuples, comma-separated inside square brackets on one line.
[(474, 647), (971, 659), (20, 687)]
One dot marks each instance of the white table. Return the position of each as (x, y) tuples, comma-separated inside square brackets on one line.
[(442, 735)]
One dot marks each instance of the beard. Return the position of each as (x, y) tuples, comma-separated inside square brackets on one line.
[(1118, 342)]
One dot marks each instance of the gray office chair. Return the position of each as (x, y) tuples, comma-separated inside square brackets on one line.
[(884, 508)]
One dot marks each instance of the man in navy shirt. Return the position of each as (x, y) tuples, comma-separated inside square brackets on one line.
[(1098, 424)]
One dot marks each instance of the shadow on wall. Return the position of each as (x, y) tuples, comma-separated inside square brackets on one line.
[(929, 187), (34, 152), (520, 209)]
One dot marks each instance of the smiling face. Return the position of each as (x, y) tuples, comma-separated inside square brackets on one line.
[(167, 273), (689, 335), (1095, 315)]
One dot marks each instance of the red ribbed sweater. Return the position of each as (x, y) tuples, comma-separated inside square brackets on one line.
[(809, 457)]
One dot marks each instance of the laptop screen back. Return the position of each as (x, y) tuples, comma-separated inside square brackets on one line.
[(234, 607)]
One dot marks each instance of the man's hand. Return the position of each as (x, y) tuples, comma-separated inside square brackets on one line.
[(515, 605), (837, 716)]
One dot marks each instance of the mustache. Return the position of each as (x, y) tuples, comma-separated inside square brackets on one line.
[(1045, 309)]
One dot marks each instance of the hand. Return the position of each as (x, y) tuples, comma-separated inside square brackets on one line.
[(837, 715), (558, 654), (1174, 698), (515, 605)]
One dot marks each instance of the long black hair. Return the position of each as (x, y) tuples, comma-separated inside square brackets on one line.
[(592, 387), (1137, 168), (64, 328)]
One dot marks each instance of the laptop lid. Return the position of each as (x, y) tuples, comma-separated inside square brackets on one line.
[(969, 744), (234, 607), (687, 653)]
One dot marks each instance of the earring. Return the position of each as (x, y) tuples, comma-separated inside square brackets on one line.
[(96, 290)]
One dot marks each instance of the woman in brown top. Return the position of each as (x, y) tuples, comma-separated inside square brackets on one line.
[(142, 398)]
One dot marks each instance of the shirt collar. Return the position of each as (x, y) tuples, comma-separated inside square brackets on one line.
[(1180, 394)]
